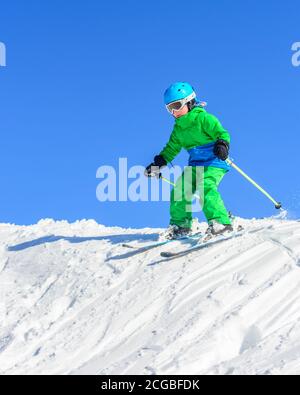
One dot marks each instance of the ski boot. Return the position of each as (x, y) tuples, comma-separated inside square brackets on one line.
[(175, 232), (216, 229)]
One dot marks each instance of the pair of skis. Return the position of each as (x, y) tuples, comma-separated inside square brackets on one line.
[(199, 243)]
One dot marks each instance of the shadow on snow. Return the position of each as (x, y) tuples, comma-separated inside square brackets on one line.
[(113, 239)]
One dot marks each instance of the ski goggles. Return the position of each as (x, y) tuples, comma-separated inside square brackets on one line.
[(179, 104)]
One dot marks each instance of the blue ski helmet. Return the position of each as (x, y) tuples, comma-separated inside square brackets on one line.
[(178, 91)]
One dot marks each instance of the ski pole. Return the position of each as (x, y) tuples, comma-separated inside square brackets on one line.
[(174, 185), (278, 205), (168, 181)]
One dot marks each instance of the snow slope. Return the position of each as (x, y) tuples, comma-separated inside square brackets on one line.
[(74, 301)]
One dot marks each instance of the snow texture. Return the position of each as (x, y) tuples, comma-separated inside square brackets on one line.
[(75, 301)]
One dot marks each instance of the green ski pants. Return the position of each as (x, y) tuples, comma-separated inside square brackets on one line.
[(204, 181)]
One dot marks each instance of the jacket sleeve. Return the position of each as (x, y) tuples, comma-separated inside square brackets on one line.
[(214, 129), (172, 149)]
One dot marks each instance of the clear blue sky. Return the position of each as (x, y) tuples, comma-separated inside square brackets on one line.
[(83, 86)]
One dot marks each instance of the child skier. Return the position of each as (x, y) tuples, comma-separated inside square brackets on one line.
[(207, 142)]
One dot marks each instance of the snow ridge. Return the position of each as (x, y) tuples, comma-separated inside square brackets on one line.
[(75, 301)]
